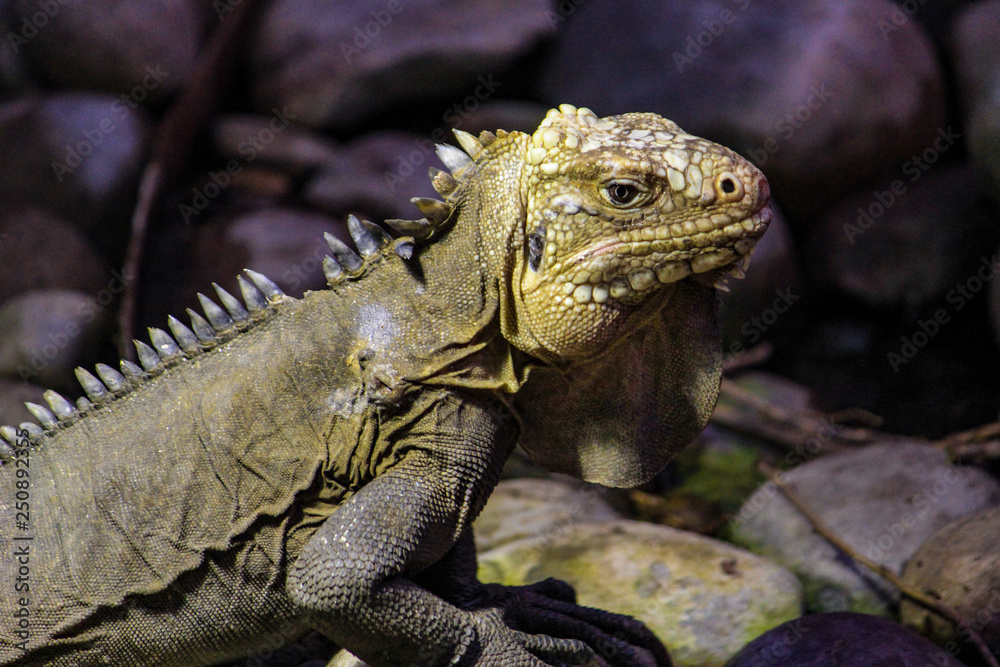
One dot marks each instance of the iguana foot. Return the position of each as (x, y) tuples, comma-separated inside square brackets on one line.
[(558, 630)]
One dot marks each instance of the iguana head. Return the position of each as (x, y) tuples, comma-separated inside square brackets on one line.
[(617, 210), (606, 238)]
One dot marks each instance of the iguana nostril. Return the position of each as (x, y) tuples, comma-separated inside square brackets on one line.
[(729, 187)]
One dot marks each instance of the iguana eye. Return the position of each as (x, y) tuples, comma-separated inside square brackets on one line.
[(623, 193)]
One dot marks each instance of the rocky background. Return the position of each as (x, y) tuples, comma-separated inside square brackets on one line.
[(241, 131)]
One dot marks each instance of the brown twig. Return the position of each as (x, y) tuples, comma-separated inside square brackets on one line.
[(754, 356), (743, 412), (171, 144), (979, 445), (920, 598)]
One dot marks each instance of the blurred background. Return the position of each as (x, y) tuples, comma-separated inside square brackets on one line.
[(150, 148)]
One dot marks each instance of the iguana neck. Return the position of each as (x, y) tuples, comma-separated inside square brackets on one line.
[(459, 284), (491, 229)]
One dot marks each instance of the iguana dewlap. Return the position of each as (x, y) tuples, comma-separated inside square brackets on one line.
[(289, 464)]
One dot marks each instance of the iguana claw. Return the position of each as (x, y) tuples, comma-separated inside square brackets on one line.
[(548, 610)]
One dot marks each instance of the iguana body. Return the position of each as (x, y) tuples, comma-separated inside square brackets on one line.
[(317, 465)]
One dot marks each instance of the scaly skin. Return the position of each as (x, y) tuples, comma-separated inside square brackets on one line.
[(317, 463)]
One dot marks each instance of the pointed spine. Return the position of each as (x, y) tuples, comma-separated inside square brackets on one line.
[(453, 158), (265, 285), (379, 234), (131, 371), (331, 269), (185, 337), (346, 257), (469, 143), (232, 305), (83, 404), (42, 414), (418, 229), (443, 182), (254, 298), (33, 429), (148, 357), (8, 440), (111, 378), (403, 247), (363, 239), (164, 345), (218, 318), (486, 138), (435, 210), (62, 408), (202, 329), (9, 433), (95, 388)]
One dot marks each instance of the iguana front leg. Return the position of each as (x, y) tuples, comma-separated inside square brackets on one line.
[(356, 574), (351, 575)]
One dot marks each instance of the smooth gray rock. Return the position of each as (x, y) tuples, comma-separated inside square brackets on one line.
[(77, 155), (884, 500), (139, 51), (703, 598), (958, 565), (909, 242), (975, 52), (530, 508), (42, 251), (45, 334), (338, 64)]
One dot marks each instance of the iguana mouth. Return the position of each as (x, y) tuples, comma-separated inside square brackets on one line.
[(633, 262)]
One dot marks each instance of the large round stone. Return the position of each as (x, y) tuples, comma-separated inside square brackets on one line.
[(959, 566), (703, 598), (841, 639)]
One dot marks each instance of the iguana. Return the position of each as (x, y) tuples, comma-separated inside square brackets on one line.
[(315, 463)]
